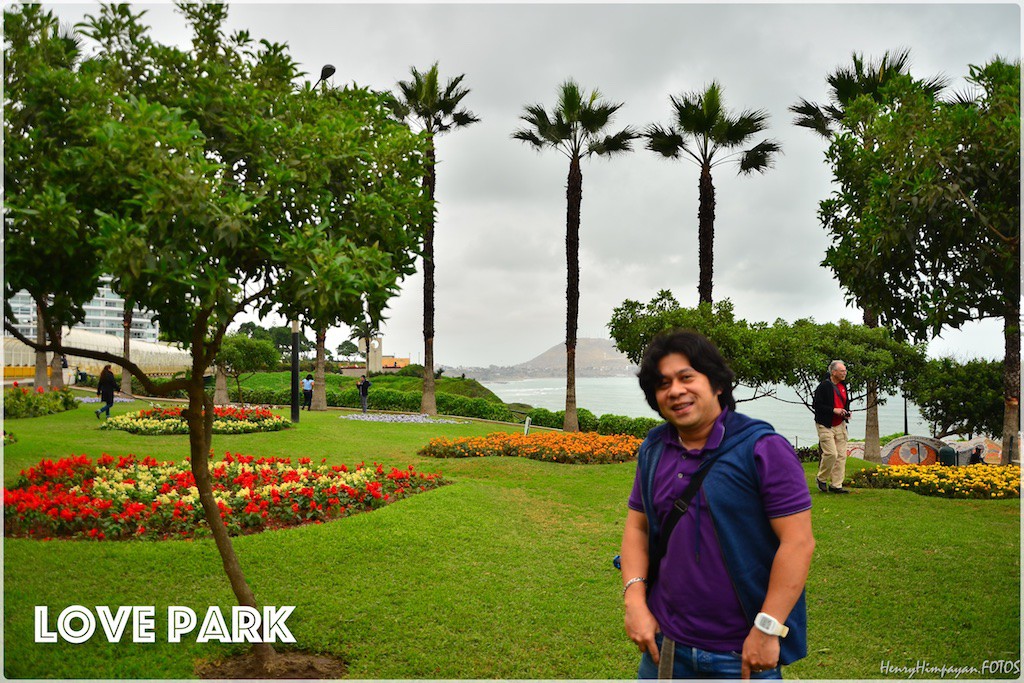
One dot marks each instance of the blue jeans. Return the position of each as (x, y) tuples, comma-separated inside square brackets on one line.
[(691, 662), (105, 408)]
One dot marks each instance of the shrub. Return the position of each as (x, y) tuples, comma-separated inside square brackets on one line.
[(971, 481), (452, 404), (24, 402), (620, 424), (129, 498), (890, 437), (586, 419), (542, 417), (395, 401), (137, 389), (809, 453), (411, 370), (581, 448)]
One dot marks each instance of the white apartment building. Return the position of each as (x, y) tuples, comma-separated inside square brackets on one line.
[(104, 313)]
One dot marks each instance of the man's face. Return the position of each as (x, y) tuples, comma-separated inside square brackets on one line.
[(685, 396), (839, 374)]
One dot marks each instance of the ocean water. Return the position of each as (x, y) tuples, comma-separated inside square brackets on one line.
[(622, 396)]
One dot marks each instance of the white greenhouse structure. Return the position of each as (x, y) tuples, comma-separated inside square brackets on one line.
[(154, 358)]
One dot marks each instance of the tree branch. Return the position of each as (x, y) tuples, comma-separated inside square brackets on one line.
[(162, 389)]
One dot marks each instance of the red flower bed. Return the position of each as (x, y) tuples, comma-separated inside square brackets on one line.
[(127, 497)]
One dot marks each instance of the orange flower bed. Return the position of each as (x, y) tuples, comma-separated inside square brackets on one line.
[(583, 448)]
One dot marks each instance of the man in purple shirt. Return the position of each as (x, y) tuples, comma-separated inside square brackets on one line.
[(730, 583)]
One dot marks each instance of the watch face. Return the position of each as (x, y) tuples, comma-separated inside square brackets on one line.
[(766, 623)]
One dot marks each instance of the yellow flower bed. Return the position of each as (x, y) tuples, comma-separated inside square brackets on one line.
[(972, 481), (587, 448)]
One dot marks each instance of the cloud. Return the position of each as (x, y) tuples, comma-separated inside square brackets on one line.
[(501, 214)]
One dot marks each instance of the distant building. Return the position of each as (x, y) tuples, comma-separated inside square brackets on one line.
[(104, 313), (391, 362)]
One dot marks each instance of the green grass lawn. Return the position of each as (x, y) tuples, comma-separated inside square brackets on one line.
[(504, 574)]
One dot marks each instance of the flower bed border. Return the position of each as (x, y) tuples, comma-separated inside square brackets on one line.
[(129, 498)]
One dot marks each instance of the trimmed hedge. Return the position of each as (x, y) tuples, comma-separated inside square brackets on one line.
[(607, 424), (388, 400), (462, 406)]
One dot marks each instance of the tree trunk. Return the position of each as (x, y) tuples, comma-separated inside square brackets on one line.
[(56, 369), (1011, 382), (41, 365), (220, 389), (574, 198), (126, 377), (319, 390), (706, 235), (200, 428), (428, 404), (872, 440)]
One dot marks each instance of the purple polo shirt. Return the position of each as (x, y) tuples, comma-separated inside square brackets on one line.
[(694, 600)]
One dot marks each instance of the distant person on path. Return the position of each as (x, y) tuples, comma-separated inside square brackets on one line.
[(717, 591), (364, 391), (831, 413), (307, 392), (105, 389), (976, 458)]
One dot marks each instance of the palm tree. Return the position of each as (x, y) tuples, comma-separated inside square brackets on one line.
[(704, 133), (423, 102), (847, 84), (574, 128)]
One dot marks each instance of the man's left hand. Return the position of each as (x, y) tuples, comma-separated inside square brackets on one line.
[(760, 652)]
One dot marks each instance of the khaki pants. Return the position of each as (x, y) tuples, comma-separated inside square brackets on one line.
[(832, 441)]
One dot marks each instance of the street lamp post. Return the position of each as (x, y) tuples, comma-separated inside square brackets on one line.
[(325, 73), (295, 371)]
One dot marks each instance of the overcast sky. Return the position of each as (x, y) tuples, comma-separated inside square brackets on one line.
[(500, 231)]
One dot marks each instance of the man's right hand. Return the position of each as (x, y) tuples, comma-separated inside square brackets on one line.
[(641, 627)]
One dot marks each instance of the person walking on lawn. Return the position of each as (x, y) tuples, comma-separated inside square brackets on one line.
[(105, 389)]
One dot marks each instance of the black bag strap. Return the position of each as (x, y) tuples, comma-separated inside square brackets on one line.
[(682, 504), (679, 509)]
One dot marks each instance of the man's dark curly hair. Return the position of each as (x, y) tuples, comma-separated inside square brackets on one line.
[(704, 357)]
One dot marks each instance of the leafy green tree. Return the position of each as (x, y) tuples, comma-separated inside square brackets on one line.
[(347, 349), (703, 132), (959, 397), (935, 238), (762, 355), (369, 209), (437, 110), (185, 197), (576, 128), (242, 355), (280, 335), (846, 85), (47, 113)]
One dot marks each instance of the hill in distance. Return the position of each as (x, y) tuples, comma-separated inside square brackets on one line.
[(594, 358)]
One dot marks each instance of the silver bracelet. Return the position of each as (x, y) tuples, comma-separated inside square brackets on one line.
[(635, 579)]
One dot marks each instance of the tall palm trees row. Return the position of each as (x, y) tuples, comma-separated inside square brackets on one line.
[(701, 131)]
